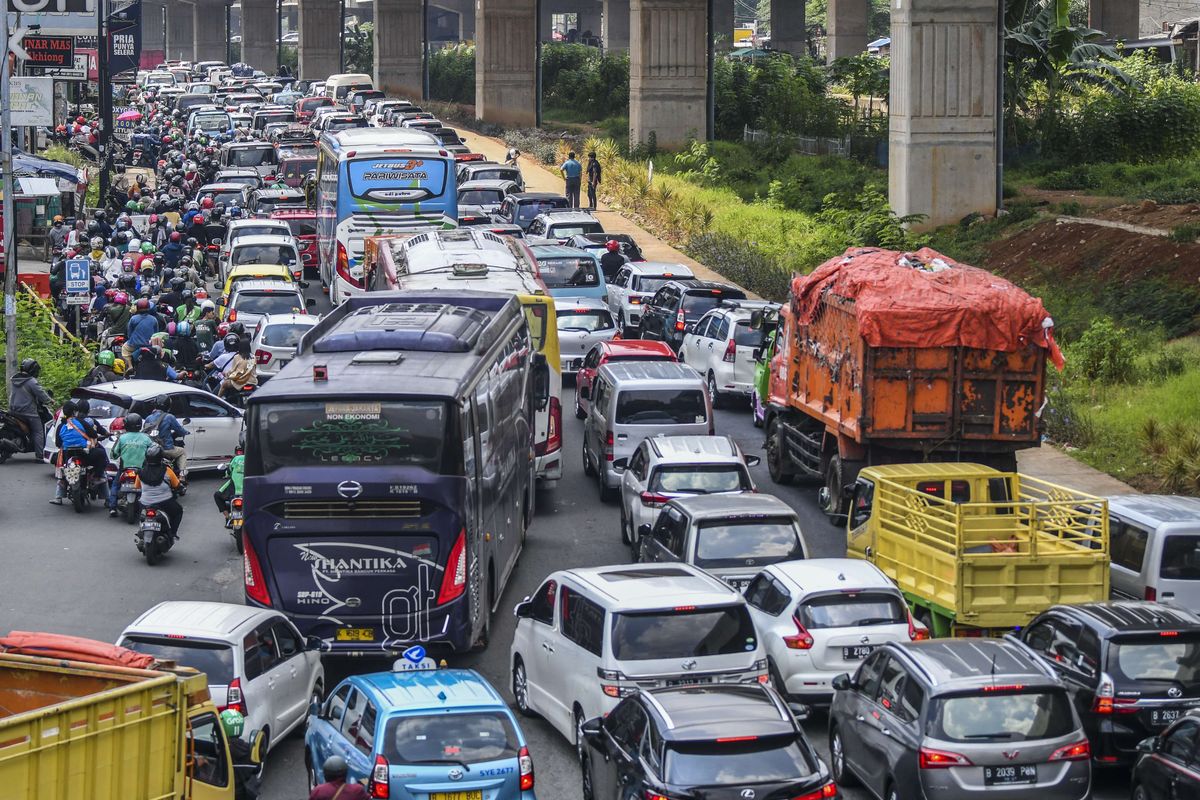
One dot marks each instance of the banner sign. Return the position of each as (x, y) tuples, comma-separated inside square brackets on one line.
[(76, 72), (125, 37), (31, 101), (49, 51), (53, 6)]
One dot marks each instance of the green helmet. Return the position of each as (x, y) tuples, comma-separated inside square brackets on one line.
[(132, 205), (106, 358), (233, 722), (147, 247)]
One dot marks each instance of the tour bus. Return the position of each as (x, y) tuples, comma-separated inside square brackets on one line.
[(372, 181), (472, 258), (389, 480)]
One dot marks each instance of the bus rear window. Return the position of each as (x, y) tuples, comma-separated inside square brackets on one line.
[(253, 157), (351, 432)]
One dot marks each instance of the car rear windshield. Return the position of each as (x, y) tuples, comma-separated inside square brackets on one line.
[(253, 157), (214, 659), (503, 174), (568, 229), (683, 633), (585, 319), (101, 408), (661, 406), (1003, 716), (852, 609), (281, 302), (696, 303), (697, 479), (480, 197), (264, 254), (211, 122), (450, 738), (745, 336), (1180, 558), (230, 197), (257, 230), (648, 284), (362, 432), (770, 758), (302, 227), (283, 335), (640, 357), (1174, 658), (739, 542), (528, 210), (568, 273)]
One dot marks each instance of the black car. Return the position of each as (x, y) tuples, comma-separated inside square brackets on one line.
[(713, 742), (1169, 767), (1132, 668), (677, 305)]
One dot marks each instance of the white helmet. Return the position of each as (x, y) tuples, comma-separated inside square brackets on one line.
[(97, 243), (135, 244), (207, 305)]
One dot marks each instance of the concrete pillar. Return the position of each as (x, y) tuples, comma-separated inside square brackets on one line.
[(208, 30), (399, 48), (668, 49), (320, 39), (723, 21), (505, 61), (152, 27), (847, 24), (1120, 19), (180, 43), (590, 18), (260, 24), (942, 155), (615, 25), (787, 26)]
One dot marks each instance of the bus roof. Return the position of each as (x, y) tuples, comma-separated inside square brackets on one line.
[(464, 258), (360, 138)]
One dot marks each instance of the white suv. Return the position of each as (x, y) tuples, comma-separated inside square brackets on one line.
[(588, 637), (276, 338), (255, 659), (666, 467), (634, 284), (821, 617), (722, 345)]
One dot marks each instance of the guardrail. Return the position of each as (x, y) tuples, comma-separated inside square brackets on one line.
[(809, 145), (56, 326)]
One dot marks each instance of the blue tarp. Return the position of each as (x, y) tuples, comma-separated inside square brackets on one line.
[(29, 166)]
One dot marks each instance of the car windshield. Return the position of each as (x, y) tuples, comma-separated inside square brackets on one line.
[(683, 633), (211, 122), (253, 157), (564, 230), (568, 273), (264, 254), (852, 609), (747, 542), (694, 305), (585, 319), (769, 758), (1180, 558), (450, 738), (1156, 658), (230, 197), (283, 334), (214, 659), (500, 174), (1003, 716), (480, 197), (528, 210), (658, 406), (281, 302), (745, 336), (697, 479)]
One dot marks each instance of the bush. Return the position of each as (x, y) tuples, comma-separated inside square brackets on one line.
[(1106, 353), (452, 73), (742, 263), (63, 365)]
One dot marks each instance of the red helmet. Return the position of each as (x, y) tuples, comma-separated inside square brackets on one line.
[(206, 202), (223, 329), (79, 121), (612, 245), (176, 236), (198, 219), (154, 219), (166, 140), (143, 304)]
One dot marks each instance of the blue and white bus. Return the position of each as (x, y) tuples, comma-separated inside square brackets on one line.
[(374, 181)]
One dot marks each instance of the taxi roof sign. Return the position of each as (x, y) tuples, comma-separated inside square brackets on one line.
[(414, 659)]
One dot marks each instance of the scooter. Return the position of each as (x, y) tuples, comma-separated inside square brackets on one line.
[(15, 436), (153, 537), (128, 495), (82, 486), (233, 523)]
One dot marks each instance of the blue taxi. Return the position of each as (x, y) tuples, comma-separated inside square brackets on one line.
[(421, 733)]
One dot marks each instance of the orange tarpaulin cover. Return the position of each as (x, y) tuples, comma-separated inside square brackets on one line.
[(926, 299), (73, 648)]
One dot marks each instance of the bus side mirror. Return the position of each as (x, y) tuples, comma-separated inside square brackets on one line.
[(541, 382)]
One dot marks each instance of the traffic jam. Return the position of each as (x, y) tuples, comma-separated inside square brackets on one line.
[(372, 339)]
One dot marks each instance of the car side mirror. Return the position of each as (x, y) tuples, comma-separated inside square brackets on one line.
[(842, 682), (757, 354), (1148, 745), (222, 468), (756, 320), (800, 711), (310, 302), (643, 531), (620, 464), (585, 392), (523, 609), (313, 643), (753, 461), (591, 727)]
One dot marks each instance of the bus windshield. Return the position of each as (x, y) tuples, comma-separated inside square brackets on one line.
[(396, 178)]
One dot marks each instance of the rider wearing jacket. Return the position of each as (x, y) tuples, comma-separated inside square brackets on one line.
[(130, 453), (159, 484), (29, 400)]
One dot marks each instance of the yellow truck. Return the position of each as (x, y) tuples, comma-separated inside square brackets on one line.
[(977, 551), (98, 730)]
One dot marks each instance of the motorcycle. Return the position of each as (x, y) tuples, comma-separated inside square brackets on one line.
[(234, 523), (239, 395), (81, 485), (128, 495), (15, 436), (153, 537)]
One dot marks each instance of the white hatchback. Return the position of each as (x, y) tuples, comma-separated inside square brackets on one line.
[(820, 617), (582, 323), (275, 340), (255, 659), (722, 345)]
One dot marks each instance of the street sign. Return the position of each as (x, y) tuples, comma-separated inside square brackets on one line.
[(79, 276), (76, 72), (49, 51)]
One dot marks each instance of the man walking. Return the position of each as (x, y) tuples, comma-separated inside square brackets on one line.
[(572, 171), (593, 176)]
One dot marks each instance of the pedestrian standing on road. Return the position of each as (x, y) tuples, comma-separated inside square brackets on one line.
[(593, 176), (572, 171)]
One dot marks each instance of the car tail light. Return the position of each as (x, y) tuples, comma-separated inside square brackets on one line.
[(454, 580), (1080, 751), (608, 446), (916, 634), (343, 267), (378, 785), (634, 300), (234, 699), (680, 320), (730, 352), (256, 583), (1106, 700), (801, 640), (652, 500), (232, 316), (262, 356), (553, 430), (824, 793), (929, 758), (1151, 594), (525, 762)]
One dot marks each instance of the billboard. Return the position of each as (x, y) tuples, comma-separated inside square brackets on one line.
[(49, 51), (31, 101), (124, 36)]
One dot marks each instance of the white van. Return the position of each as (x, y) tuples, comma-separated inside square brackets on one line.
[(338, 86), (589, 637), (632, 401), (1155, 548)]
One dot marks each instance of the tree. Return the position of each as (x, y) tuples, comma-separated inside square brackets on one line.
[(359, 44)]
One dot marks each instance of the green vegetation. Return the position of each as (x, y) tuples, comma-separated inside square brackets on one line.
[(63, 364), (579, 77), (452, 73), (1168, 181)]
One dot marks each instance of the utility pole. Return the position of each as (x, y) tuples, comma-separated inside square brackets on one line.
[(164, 30), (278, 35), (104, 91), (10, 220), (341, 35)]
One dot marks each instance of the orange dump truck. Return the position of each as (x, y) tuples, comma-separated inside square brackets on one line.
[(885, 357)]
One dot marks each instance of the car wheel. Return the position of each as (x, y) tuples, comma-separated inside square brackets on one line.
[(312, 773), (777, 682), (579, 412), (717, 398), (579, 720), (1139, 793), (520, 688), (892, 793), (606, 492), (588, 792), (837, 757), (318, 694), (626, 539), (587, 465)]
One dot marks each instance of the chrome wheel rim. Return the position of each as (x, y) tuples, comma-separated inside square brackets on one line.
[(520, 686)]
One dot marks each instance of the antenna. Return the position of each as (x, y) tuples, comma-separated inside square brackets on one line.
[(993, 669)]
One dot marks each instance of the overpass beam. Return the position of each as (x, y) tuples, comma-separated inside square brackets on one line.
[(847, 23), (615, 25), (399, 48), (505, 61), (943, 104), (668, 71), (260, 22), (787, 26), (208, 30), (320, 48), (1120, 19)]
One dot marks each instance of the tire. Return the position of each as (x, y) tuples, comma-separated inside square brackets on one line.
[(520, 688), (150, 551), (830, 499), (312, 773), (78, 497), (718, 399), (841, 774), (4, 454), (579, 412), (892, 792), (775, 460), (317, 696), (607, 494), (579, 720), (587, 465), (131, 513), (1139, 793), (626, 539), (586, 780)]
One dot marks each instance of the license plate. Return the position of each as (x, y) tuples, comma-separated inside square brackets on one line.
[(235, 523), (355, 635), (474, 794), (1018, 773), (857, 652), (1164, 716), (688, 681), (739, 583), (153, 526)]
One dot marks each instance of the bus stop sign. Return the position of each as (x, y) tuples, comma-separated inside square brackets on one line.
[(79, 279)]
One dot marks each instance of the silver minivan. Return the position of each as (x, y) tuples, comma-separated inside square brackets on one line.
[(1155, 547), (634, 400)]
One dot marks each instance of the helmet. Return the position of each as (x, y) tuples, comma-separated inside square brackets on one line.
[(106, 358), (177, 284), (147, 247), (121, 299), (612, 245), (57, 218), (154, 453), (235, 211), (198, 219), (30, 366), (135, 244), (142, 304), (97, 243), (162, 403), (237, 328), (186, 294), (206, 306), (99, 215), (335, 767), (183, 328), (207, 202), (170, 328), (233, 722), (119, 366), (222, 329), (176, 236), (167, 275), (133, 421), (81, 407), (231, 342)]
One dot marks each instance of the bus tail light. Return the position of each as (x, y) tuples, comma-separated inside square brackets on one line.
[(525, 762), (454, 579), (378, 786), (256, 583), (343, 267), (553, 430)]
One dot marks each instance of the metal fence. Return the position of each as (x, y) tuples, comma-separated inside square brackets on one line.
[(809, 145)]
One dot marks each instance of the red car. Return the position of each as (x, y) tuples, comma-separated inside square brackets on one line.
[(303, 223), (307, 106), (616, 350)]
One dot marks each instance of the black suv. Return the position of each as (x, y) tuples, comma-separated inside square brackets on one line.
[(726, 739), (1169, 766), (677, 306), (1132, 668)]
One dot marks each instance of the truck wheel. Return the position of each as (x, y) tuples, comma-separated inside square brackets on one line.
[(775, 454), (831, 500)]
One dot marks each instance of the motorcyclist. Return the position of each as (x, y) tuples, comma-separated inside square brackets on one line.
[(103, 371), (183, 344), (70, 436), (130, 453), (30, 403), (612, 260), (173, 249), (116, 314), (58, 233), (207, 326), (174, 297), (241, 370), (188, 310), (240, 752), (336, 769), (149, 364), (232, 487), (142, 325), (159, 483), (163, 426)]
